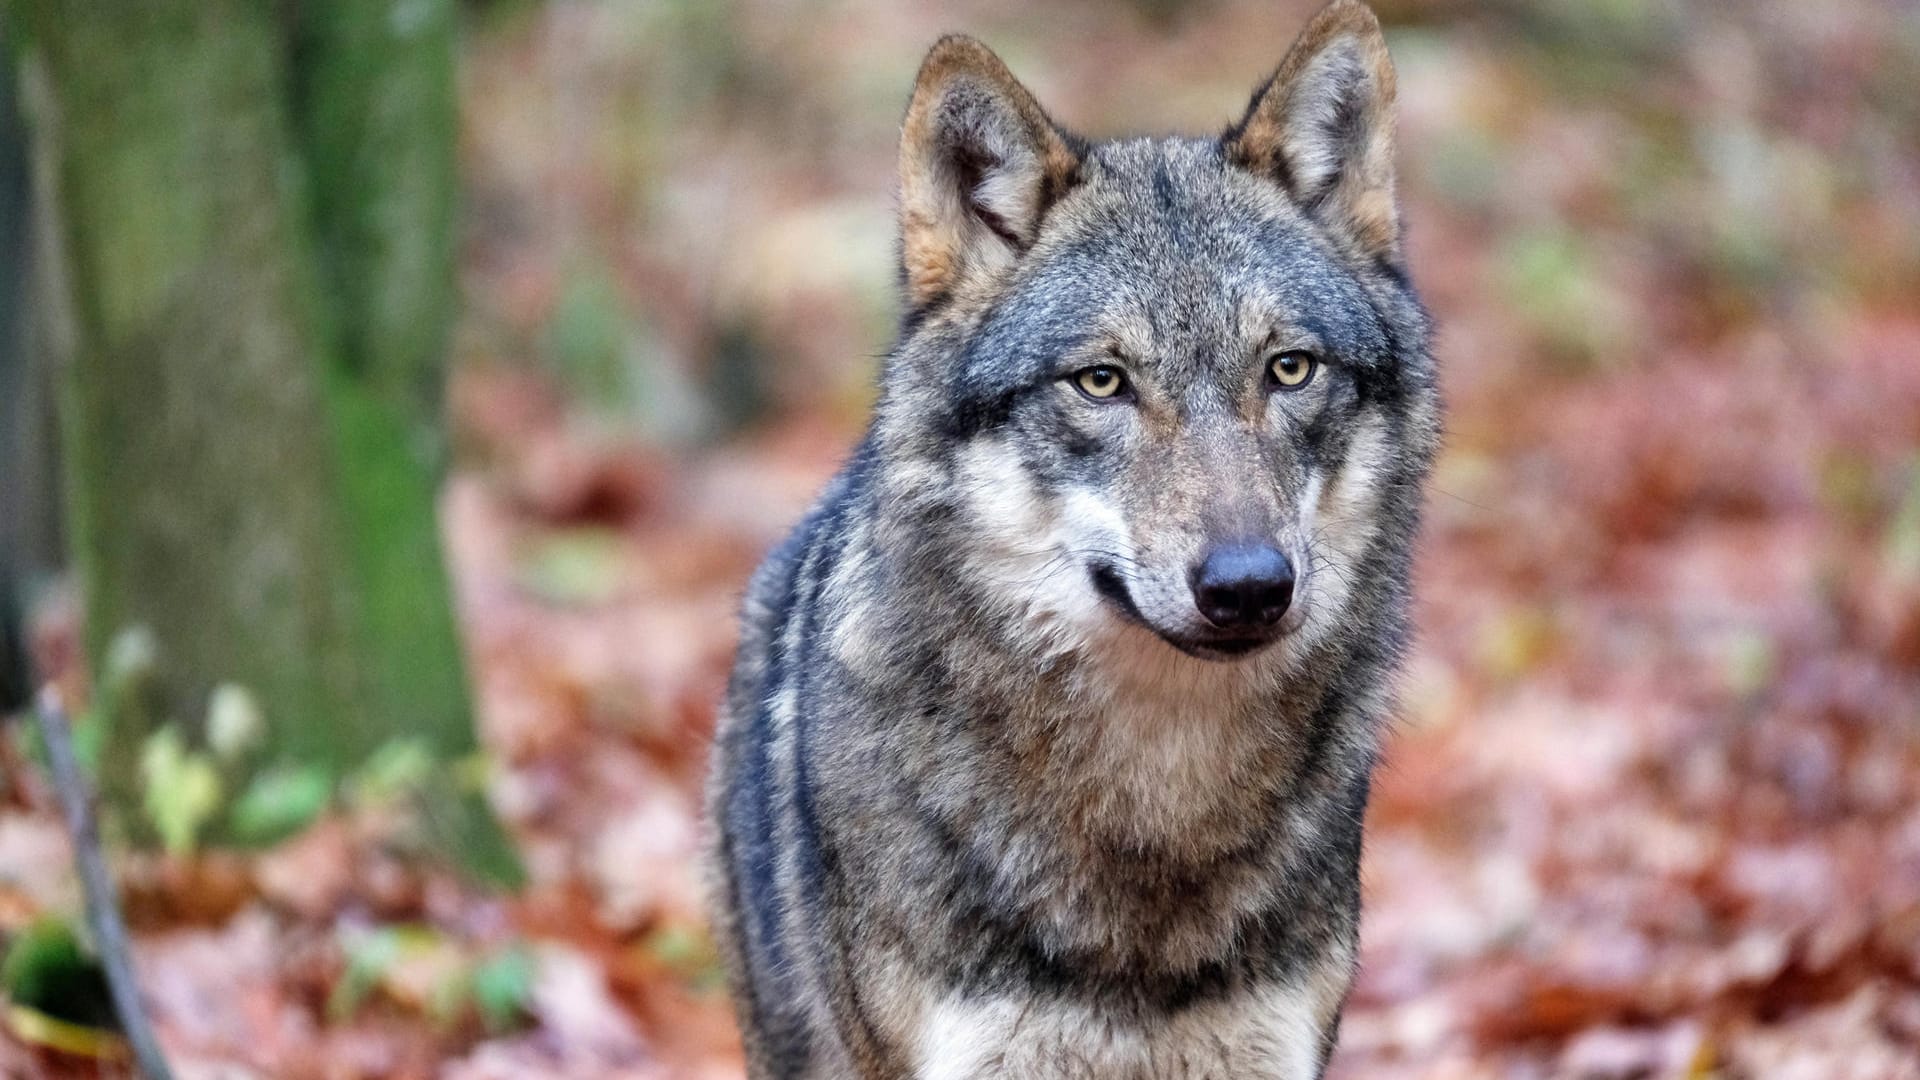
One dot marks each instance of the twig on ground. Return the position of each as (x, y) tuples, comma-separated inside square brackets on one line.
[(103, 904)]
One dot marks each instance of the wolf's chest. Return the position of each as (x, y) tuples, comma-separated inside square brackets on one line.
[(1275, 1033)]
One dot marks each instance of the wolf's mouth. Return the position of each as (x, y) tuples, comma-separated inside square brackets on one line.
[(1109, 584)]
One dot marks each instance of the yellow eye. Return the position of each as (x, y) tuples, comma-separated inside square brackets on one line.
[(1292, 369), (1100, 383)]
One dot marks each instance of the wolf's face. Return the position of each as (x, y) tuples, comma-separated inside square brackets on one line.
[(1178, 385)]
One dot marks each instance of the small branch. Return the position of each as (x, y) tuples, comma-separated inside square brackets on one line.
[(103, 905)]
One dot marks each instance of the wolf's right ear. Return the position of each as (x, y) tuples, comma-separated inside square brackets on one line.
[(1322, 127), (980, 163)]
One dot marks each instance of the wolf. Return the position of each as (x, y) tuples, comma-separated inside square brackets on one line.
[(1050, 732)]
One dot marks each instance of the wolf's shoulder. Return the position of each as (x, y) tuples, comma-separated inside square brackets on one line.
[(787, 586), (783, 577)]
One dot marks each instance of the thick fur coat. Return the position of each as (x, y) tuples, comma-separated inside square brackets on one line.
[(1004, 787)]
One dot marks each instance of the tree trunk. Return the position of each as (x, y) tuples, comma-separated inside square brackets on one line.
[(376, 117), (250, 472), (375, 120), (376, 114), (200, 478)]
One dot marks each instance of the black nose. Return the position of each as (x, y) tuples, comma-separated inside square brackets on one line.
[(1243, 586)]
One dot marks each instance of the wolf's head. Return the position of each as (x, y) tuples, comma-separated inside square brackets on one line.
[(1179, 385)]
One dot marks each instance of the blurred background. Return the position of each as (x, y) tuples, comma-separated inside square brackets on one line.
[(1650, 808)]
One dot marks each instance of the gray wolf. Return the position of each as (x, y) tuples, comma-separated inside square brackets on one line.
[(1049, 737)]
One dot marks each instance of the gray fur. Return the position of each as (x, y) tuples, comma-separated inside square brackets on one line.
[(990, 799)]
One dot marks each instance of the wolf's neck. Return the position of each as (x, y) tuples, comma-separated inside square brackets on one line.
[(1143, 816), (1120, 740)]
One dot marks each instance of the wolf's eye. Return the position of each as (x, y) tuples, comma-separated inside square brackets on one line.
[(1100, 383), (1292, 369)]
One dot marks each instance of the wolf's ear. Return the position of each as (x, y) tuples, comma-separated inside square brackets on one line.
[(979, 165), (1322, 127)]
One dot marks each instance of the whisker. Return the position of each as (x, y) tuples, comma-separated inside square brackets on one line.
[(1457, 498)]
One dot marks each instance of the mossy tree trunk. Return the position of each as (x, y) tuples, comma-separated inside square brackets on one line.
[(257, 243), (374, 117), (17, 400)]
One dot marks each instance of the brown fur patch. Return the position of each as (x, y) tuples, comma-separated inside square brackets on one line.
[(944, 237)]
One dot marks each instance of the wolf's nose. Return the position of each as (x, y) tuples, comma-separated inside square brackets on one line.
[(1242, 586)]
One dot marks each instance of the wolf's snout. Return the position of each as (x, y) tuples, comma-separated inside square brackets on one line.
[(1243, 586)]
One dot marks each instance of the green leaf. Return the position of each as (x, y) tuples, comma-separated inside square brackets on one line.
[(369, 958), (502, 987), (89, 740), (1751, 662), (448, 998), (182, 790), (47, 969), (689, 953), (1903, 534), (588, 336), (573, 568), (279, 803), (396, 771)]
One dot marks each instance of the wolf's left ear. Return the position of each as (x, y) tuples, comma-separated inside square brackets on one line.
[(1322, 127), (980, 163)]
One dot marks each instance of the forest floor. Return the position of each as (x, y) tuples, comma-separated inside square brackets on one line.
[(1649, 810)]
